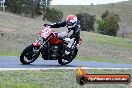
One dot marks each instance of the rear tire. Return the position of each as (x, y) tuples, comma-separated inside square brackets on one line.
[(72, 57), (28, 54)]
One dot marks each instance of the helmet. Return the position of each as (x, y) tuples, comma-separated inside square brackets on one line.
[(71, 21)]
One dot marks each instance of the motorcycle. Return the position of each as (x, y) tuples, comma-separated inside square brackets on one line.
[(50, 46)]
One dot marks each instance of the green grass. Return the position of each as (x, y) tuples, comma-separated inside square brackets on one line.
[(97, 59), (104, 39), (7, 53), (53, 79), (108, 44), (119, 42)]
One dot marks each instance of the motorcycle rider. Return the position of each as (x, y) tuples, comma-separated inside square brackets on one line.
[(72, 34)]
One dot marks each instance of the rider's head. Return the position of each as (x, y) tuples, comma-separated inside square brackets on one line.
[(71, 21)]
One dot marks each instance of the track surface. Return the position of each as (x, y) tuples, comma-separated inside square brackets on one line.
[(13, 62)]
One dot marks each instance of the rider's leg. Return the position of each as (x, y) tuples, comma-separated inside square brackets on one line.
[(68, 49), (69, 46)]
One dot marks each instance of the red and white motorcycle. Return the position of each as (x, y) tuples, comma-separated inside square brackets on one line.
[(50, 46)]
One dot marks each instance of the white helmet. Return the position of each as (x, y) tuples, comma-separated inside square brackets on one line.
[(71, 21)]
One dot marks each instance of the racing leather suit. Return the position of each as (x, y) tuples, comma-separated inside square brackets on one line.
[(72, 35)]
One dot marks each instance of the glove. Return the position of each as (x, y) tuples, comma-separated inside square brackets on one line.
[(46, 25)]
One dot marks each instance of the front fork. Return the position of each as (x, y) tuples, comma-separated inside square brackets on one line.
[(39, 45)]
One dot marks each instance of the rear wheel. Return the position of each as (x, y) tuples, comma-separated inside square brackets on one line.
[(69, 58), (28, 55)]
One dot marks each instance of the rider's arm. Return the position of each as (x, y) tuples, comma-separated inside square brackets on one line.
[(58, 25)]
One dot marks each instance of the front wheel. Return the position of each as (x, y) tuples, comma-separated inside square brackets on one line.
[(69, 58), (28, 55)]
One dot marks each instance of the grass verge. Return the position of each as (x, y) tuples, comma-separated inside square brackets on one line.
[(98, 59), (53, 79), (110, 40), (4, 53)]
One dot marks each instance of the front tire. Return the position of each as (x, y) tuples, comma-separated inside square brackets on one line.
[(28, 56), (70, 58)]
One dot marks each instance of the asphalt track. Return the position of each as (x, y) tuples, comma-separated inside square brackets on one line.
[(14, 62)]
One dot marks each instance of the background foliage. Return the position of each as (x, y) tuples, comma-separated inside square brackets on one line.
[(108, 25), (53, 15), (86, 21)]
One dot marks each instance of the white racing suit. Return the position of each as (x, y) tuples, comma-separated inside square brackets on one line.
[(70, 41), (72, 35)]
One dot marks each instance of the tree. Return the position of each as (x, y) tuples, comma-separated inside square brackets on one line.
[(45, 4), (30, 8), (2, 6), (11, 5), (86, 21), (109, 24), (105, 14), (53, 15)]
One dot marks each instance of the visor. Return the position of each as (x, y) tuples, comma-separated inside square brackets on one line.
[(70, 23)]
